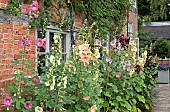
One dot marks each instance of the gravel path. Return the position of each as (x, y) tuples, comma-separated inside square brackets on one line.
[(163, 100)]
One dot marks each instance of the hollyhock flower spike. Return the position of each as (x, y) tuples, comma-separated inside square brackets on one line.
[(7, 101), (34, 6), (22, 41), (137, 69), (28, 105), (29, 42), (38, 109), (36, 80)]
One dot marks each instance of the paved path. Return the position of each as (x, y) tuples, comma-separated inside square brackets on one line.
[(163, 100)]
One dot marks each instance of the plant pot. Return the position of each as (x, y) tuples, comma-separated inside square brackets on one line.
[(163, 76)]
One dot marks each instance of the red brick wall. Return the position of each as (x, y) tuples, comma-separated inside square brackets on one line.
[(12, 32)]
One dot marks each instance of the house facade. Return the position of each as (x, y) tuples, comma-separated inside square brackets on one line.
[(13, 28)]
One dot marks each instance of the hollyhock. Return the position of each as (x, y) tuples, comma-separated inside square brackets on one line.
[(44, 44), (86, 97), (36, 79), (98, 42), (34, 6), (39, 42), (28, 105), (109, 60), (7, 101), (113, 43), (137, 69), (29, 42), (22, 41), (92, 109), (35, 15), (26, 51), (38, 109), (27, 9), (128, 64), (118, 75)]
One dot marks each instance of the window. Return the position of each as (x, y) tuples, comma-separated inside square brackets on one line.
[(49, 34)]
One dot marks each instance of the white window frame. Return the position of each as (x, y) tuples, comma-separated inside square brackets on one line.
[(47, 34)]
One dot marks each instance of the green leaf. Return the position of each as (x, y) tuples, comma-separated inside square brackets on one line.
[(141, 98), (138, 88), (118, 98)]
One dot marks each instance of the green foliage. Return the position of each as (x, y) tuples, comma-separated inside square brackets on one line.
[(161, 47), (107, 14), (154, 10)]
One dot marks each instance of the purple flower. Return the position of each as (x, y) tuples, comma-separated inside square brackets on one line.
[(29, 42), (109, 60), (137, 69), (7, 101), (28, 105), (36, 79), (128, 64), (39, 42), (22, 41), (164, 67), (98, 42), (26, 51)]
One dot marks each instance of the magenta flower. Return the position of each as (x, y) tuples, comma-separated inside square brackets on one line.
[(39, 42), (26, 51), (44, 44), (27, 9), (98, 42), (109, 60), (7, 101), (36, 79), (22, 41), (29, 42), (28, 105), (34, 6), (137, 69)]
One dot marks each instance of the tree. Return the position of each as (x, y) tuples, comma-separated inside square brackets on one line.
[(154, 10)]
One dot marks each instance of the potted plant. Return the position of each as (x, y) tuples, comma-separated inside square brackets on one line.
[(163, 73)]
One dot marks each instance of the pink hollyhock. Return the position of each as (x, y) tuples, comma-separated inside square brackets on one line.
[(98, 42), (36, 79), (113, 43), (28, 105), (35, 15), (29, 42), (109, 60), (27, 9), (44, 44), (118, 75), (22, 41), (34, 6), (128, 64), (39, 42), (7, 101)]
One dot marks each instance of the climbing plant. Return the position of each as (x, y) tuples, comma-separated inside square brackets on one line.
[(109, 15)]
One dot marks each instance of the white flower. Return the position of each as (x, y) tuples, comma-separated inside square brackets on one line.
[(53, 84), (38, 109)]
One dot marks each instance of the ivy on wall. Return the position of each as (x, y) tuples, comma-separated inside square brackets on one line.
[(108, 15)]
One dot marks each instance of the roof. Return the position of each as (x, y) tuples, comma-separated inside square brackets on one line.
[(159, 29)]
